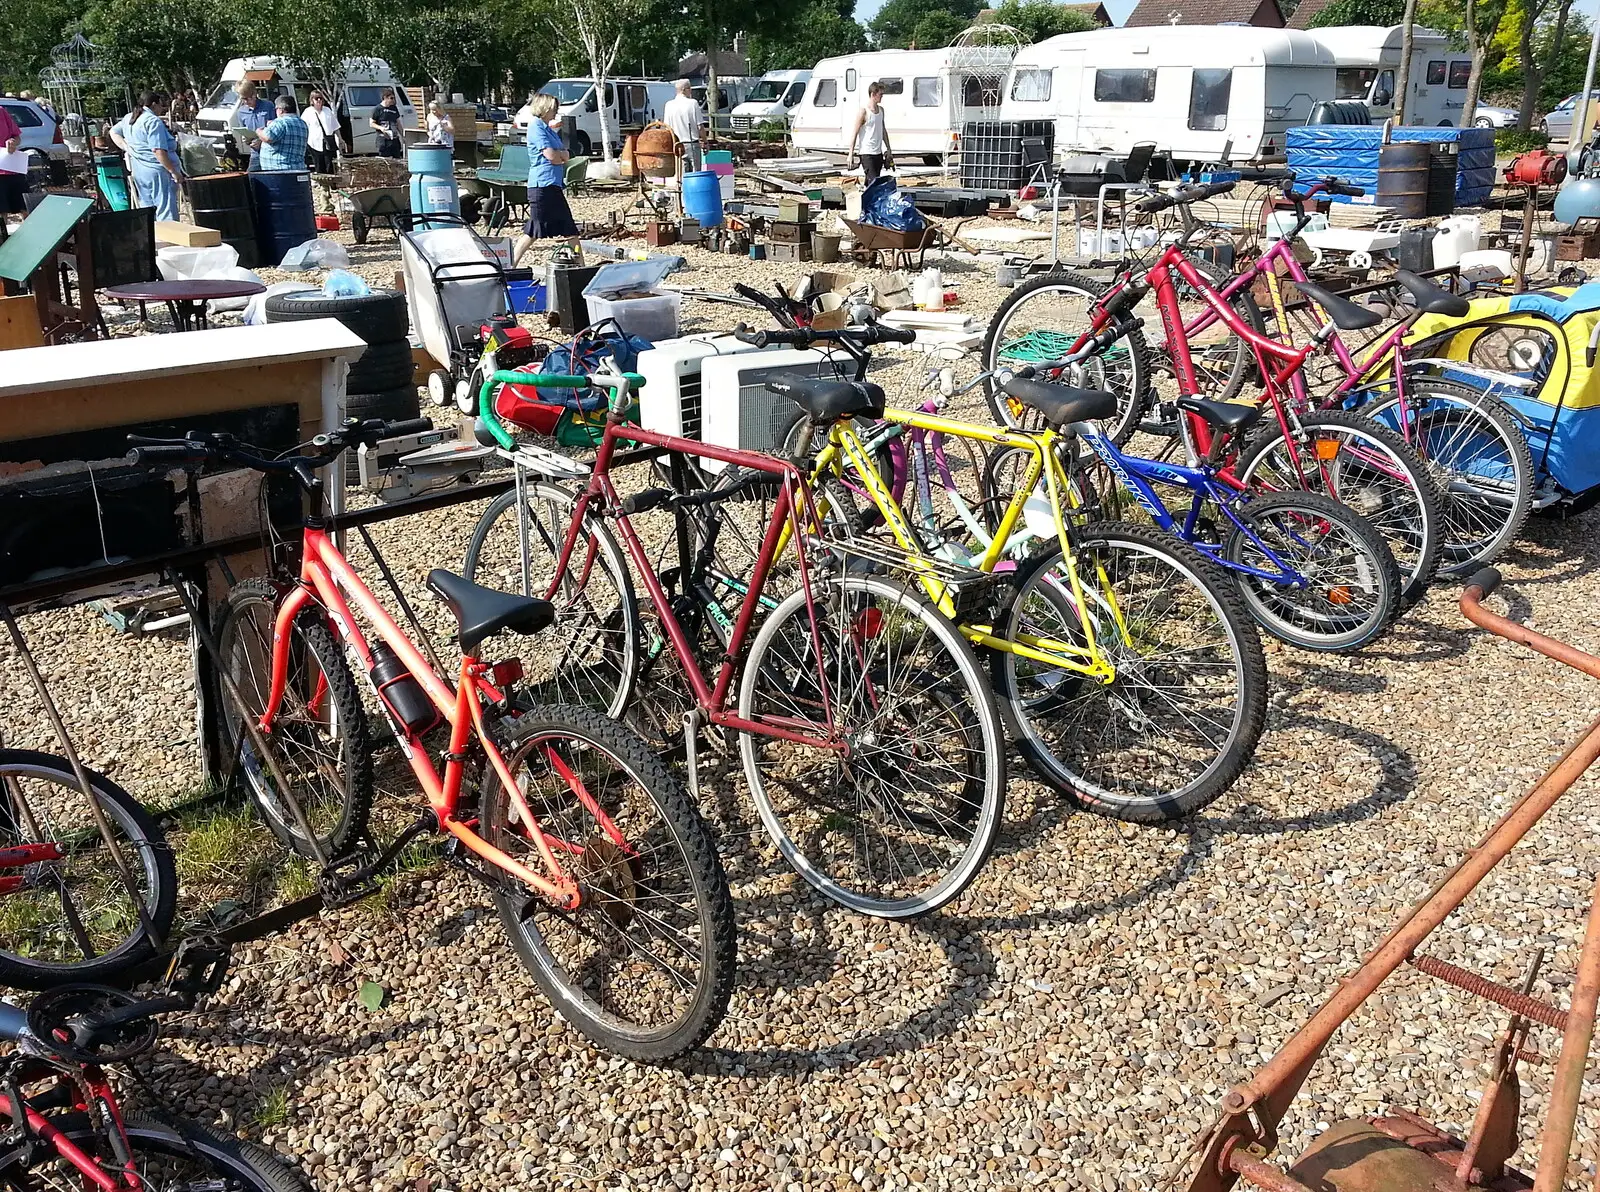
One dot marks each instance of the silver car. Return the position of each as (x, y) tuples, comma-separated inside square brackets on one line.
[(1557, 123), (41, 132), (1492, 116)]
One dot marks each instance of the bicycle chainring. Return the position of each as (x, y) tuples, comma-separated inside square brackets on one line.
[(61, 1021)]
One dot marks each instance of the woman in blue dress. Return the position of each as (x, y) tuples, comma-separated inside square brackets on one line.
[(154, 153), (548, 213)]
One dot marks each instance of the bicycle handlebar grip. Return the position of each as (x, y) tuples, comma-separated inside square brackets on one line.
[(407, 426), (1486, 580), (879, 334), (158, 452), (1153, 203), (1335, 186)]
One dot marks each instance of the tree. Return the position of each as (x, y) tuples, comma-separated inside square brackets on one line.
[(1536, 65), (29, 30), (1039, 19), (598, 26), (818, 29), (900, 23), (448, 43), (136, 39), (315, 47), (1359, 12)]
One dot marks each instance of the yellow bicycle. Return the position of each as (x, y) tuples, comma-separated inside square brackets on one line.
[(1125, 667)]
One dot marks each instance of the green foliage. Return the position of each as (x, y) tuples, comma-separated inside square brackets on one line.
[(136, 38), (925, 23), (1564, 67), (1039, 19), (29, 30), (818, 29), (315, 46), (1359, 12), (445, 43), (772, 132), (1514, 140)]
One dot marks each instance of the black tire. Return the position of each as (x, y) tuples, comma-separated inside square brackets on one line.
[(359, 228), (379, 317), (337, 811), (698, 888), (29, 941), (1341, 609), (1222, 361), (382, 367), (1112, 775), (394, 404), (173, 1153), (580, 144), (1393, 489), (1123, 369)]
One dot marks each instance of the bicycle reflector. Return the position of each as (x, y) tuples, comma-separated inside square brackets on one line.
[(506, 673), (1326, 449), (869, 622), (1339, 594)]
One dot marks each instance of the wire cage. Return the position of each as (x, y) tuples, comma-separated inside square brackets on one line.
[(83, 91), (980, 62)]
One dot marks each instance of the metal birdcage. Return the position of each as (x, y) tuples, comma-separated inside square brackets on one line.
[(83, 91), (980, 62)]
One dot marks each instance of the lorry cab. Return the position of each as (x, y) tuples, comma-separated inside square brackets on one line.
[(772, 99), (630, 105), (365, 81), (1367, 61)]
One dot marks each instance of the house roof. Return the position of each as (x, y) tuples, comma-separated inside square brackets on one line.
[(730, 64), (1305, 12), (1263, 14), (1094, 10)]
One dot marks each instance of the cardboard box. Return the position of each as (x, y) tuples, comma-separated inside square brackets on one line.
[(186, 235)]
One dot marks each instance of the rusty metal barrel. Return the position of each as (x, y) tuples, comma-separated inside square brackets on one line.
[(655, 150), (1403, 178)]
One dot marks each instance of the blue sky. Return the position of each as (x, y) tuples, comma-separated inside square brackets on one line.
[(1119, 9)]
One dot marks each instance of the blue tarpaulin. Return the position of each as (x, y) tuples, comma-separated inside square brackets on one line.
[(1350, 152)]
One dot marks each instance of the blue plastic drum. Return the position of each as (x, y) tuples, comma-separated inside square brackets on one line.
[(702, 198)]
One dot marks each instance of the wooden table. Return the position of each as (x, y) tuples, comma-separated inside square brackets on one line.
[(185, 299)]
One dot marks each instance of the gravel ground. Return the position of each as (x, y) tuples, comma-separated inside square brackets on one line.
[(1071, 1021)]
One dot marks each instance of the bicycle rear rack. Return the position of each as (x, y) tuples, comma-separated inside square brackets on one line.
[(1399, 1151), (885, 553)]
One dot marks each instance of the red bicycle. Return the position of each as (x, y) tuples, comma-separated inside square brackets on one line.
[(605, 878)]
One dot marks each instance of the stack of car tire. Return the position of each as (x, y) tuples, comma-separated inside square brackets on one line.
[(380, 383)]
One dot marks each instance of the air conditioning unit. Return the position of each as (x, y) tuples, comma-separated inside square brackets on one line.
[(670, 401), (737, 408)]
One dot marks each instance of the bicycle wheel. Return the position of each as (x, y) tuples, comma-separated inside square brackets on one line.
[(72, 919), (319, 739), (1482, 456), (1003, 472), (1223, 361), (1041, 320), (645, 966), (1368, 467), (903, 823), (1176, 727), (590, 655), (1352, 590), (171, 1154)]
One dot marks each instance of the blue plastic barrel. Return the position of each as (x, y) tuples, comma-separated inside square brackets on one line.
[(285, 215), (433, 180), (702, 198)]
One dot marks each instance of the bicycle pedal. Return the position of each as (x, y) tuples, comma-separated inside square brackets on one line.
[(337, 892)]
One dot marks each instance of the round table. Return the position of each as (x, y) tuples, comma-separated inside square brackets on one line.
[(185, 299)]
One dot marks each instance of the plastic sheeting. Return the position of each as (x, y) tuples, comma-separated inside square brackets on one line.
[(1350, 152)]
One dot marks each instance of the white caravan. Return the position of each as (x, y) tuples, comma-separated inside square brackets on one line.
[(1111, 89), (772, 99), (926, 100), (1368, 61), (629, 103), (366, 79)]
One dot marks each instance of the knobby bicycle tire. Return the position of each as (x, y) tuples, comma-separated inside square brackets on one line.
[(836, 825), (1059, 719), (56, 884), (337, 808), (611, 883)]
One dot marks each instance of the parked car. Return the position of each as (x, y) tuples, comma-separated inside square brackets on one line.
[(1490, 116), (1557, 123), (40, 130)]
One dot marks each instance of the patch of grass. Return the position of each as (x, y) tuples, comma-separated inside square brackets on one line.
[(273, 1108), (296, 881), (225, 846)]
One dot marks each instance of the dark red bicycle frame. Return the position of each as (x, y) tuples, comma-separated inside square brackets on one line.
[(99, 1090)]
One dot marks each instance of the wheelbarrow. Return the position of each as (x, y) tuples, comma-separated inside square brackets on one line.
[(873, 243), (378, 203), (1400, 1151)]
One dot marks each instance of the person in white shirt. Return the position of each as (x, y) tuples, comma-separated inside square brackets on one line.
[(869, 140), (684, 117), (322, 133), (441, 129)]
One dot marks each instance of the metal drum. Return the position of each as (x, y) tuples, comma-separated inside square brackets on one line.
[(285, 215), (222, 201), (1403, 179)]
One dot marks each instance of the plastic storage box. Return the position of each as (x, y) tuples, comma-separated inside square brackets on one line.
[(653, 317)]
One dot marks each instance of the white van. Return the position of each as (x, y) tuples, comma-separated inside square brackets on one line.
[(366, 79), (629, 103), (926, 101), (1368, 62), (1110, 89), (772, 99)]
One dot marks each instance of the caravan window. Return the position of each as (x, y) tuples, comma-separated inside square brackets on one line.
[(827, 95), (850, 79), (1124, 86), (1436, 72), (1208, 99), (893, 86), (1032, 86), (927, 93), (1459, 71)]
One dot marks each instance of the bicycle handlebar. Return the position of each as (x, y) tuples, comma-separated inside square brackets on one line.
[(1486, 580), (864, 336), (220, 447), (1191, 193), (606, 376)]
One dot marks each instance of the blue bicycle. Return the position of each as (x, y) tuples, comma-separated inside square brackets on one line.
[(1313, 573)]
